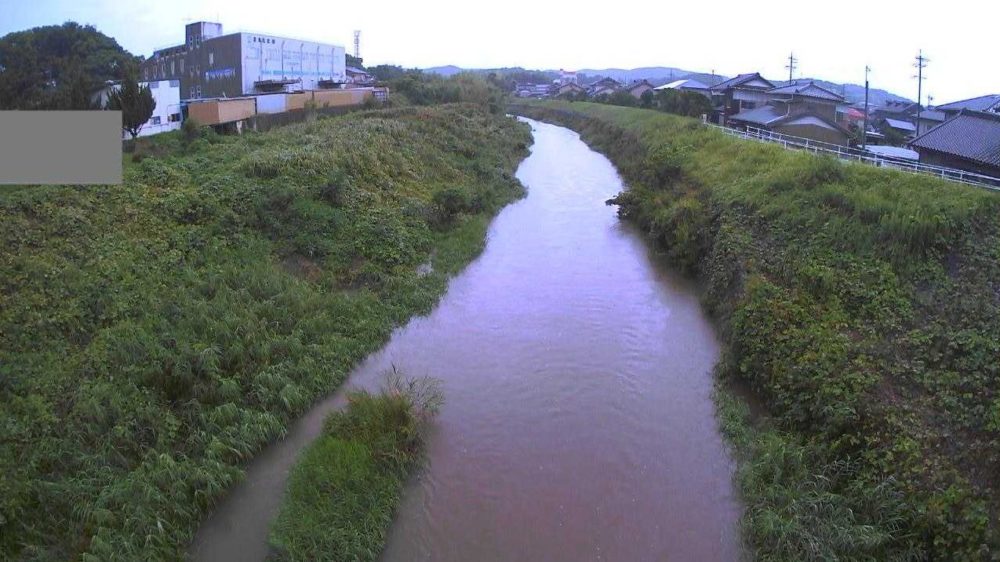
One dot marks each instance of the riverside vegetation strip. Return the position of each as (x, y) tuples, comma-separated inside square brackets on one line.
[(861, 305), (154, 335)]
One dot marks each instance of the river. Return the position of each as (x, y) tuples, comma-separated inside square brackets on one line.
[(577, 372)]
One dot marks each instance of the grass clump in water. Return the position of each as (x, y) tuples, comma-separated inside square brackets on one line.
[(345, 486)]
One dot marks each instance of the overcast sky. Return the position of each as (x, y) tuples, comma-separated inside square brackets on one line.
[(833, 40)]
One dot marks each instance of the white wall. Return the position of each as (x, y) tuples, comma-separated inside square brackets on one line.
[(266, 57), (166, 94)]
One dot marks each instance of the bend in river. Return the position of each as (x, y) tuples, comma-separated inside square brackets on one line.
[(578, 422)]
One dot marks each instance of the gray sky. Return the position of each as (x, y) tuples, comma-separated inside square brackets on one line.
[(731, 37)]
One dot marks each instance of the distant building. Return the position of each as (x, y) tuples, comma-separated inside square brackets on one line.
[(906, 129), (800, 110), (571, 88), (566, 77), (969, 141), (359, 77), (212, 65), (639, 88), (603, 86), (742, 93), (167, 113)]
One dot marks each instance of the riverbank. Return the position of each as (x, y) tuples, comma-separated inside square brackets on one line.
[(861, 305), (155, 335)]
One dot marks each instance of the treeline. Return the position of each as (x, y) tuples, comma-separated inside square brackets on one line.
[(677, 102), (58, 66), (422, 88), (861, 305)]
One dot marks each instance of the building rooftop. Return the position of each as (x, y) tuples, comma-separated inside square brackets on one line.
[(741, 80), (809, 89), (686, 84), (982, 103), (973, 135), (901, 125), (765, 115), (933, 115)]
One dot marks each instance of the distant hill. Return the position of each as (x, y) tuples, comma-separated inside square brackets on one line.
[(659, 75)]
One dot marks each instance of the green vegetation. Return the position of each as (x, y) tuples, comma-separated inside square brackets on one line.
[(134, 101), (420, 88), (861, 305), (58, 66), (678, 102), (345, 487), (155, 335)]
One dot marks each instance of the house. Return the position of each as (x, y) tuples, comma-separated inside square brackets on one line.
[(990, 103), (928, 119), (359, 77), (571, 89), (969, 141), (905, 129), (167, 113), (800, 110), (212, 65), (639, 88), (603, 86), (687, 85), (742, 93)]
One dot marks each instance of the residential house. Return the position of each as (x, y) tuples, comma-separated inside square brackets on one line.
[(742, 93), (571, 89), (687, 85), (359, 77), (603, 86), (800, 110), (990, 103), (930, 118), (639, 88), (905, 129), (969, 141)]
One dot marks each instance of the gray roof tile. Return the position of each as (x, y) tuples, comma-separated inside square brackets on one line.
[(972, 135)]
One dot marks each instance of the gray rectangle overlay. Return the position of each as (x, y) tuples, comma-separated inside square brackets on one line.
[(60, 147)]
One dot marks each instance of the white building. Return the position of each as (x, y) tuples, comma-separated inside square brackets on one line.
[(166, 115)]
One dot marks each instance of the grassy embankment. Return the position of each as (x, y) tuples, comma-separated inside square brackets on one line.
[(345, 486), (861, 305), (154, 335)]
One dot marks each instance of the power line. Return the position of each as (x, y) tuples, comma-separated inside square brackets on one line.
[(791, 66), (920, 64)]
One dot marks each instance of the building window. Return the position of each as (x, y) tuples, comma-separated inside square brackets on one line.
[(211, 59), (192, 93), (156, 120), (174, 118), (198, 91)]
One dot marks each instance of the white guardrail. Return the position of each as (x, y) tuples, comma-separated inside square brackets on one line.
[(857, 155)]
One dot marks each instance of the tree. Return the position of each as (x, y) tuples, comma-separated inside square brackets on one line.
[(57, 66), (134, 101)]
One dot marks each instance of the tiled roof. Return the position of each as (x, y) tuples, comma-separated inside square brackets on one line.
[(739, 80), (973, 135), (982, 103), (762, 115), (807, 89), (685, 84), (933, 115), (901, 125)]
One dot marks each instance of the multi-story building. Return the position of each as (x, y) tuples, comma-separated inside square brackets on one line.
[(212, 65)]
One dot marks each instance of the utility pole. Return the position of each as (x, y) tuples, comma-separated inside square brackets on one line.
[(792, 61), (921, 64), (864, 131)]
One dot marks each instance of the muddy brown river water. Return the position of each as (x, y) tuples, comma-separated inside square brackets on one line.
[(578, 422)]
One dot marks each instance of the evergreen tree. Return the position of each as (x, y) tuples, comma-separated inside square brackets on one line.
[(134, 101)]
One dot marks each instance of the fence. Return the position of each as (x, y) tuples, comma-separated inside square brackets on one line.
[(857, 155)]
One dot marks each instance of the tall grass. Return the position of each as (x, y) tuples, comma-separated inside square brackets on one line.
[(155, 335), (861, 305), (345, 486)]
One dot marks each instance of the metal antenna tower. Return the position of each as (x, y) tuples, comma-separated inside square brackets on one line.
[(357, 43)]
